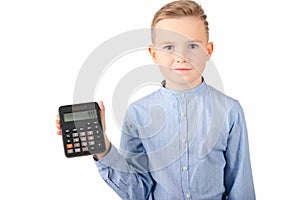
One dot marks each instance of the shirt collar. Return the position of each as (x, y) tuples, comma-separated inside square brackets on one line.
[(198, 90)]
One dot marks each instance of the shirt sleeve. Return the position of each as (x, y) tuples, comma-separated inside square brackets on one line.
[(238, 173), (126, 171)]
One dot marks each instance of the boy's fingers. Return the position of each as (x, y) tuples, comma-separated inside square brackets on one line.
[(58, 132), (101, 105), (57, 122)]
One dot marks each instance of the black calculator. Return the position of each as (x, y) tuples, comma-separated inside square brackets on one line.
[(81, 129)]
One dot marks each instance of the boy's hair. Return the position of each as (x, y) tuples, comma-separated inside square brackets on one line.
[(181, 8)]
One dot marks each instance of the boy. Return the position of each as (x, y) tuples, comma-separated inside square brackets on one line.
[(185, 140)]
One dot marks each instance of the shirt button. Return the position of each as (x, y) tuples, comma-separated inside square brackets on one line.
[(188, 195), (184, 168), (183, 140), (182, 95), (182, 114)]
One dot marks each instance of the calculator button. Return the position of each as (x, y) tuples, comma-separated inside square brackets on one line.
[(91, 137), (82, 134), (76, 140), (90, 133), (70, 151), (85, 149), (75, 134), (84, 144), (98, 137), (74, 129), (69, 146), (77, 150), (83, 139), (91, 142), (76, 145), (92, 148)]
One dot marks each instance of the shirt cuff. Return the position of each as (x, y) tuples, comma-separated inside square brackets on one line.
[(95, 156), (113, 159)]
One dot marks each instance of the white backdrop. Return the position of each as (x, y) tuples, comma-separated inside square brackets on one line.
[(43, 45)]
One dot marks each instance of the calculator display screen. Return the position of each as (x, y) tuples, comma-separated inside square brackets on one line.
[(77, 116)]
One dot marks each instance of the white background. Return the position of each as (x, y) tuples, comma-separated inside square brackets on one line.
[(43, 45)]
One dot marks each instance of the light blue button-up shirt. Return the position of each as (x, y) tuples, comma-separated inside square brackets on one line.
[(189, 144)]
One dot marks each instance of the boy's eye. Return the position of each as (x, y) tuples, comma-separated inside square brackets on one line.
[(169, 48), (193, 46)]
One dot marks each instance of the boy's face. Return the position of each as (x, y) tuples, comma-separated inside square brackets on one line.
[(181, 50)]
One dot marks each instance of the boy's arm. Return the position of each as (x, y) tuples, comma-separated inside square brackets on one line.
[(127, 172), (122, 178), (238, 173)]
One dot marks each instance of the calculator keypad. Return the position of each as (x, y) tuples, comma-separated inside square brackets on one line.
[(84, 140)]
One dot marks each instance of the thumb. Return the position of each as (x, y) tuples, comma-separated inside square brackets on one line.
[(102, 115)]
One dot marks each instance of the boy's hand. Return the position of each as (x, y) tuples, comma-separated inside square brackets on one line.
[(102, 115), (107, 142)]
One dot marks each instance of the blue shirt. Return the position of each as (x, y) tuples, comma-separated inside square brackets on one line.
[(190, 144)]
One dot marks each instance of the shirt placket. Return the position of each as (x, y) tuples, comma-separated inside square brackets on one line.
[(184, 160)]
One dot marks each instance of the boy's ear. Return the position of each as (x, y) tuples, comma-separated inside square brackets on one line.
[(152, 52), (210, 49)]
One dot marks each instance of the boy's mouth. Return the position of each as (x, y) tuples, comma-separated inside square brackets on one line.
[(182, 69)]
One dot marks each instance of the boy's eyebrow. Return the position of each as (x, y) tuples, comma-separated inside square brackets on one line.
[(172, 42), (166, 42), (196, 41)]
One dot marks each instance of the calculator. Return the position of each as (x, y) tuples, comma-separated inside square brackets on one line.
[(81, 129)]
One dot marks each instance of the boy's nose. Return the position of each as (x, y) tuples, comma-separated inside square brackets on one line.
[(180, 55), (180, 59)]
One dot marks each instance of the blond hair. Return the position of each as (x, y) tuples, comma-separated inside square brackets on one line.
[(181, 8)]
